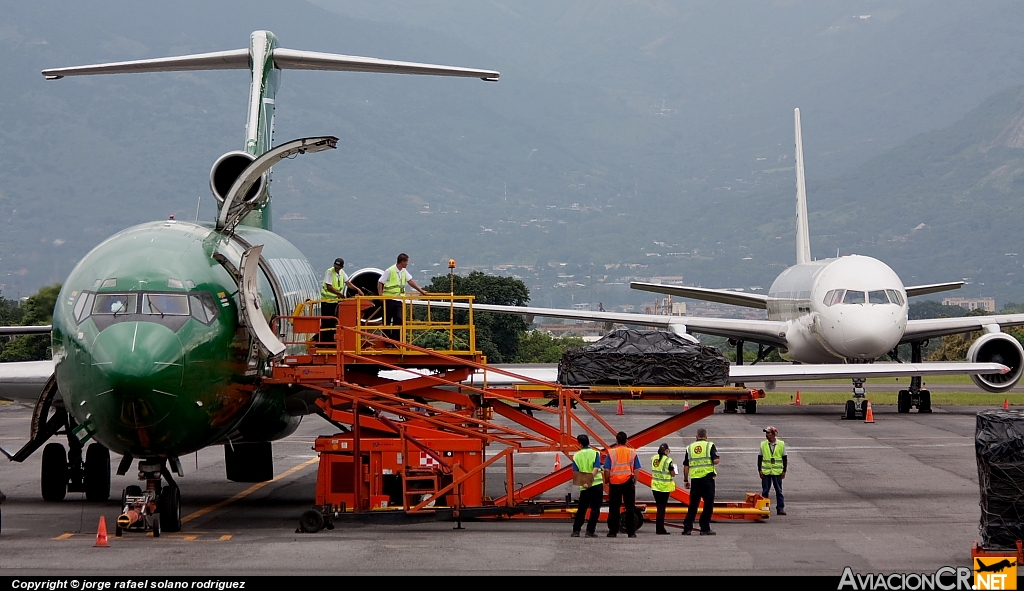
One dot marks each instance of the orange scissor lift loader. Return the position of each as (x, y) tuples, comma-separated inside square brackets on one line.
[(418, 421)]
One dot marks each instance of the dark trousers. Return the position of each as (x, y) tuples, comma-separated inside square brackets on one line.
[(394, 312), (619, 495), (661, 500), (590, 498), (327, 325), (767, 482), (701, 489)]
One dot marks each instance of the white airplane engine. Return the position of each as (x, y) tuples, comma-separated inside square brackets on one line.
[(366, 280), (226, 169), (997, 347)]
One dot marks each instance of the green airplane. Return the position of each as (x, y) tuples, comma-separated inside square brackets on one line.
[(161, 333)]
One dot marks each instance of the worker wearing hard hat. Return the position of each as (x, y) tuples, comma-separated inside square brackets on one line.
[(771, 466), (587, 461)]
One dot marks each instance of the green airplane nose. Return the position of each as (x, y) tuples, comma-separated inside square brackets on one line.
[(140, 367)]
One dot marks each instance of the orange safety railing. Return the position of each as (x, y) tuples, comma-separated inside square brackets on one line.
[(440, 322)]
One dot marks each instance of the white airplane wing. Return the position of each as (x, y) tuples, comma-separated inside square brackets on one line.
[(22, 381), (916, 290), (19, 330), (928, 328), (735, 298), (765, 372), (757, 331)]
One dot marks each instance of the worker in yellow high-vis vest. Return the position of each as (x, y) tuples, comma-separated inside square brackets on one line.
[(663, 482), (331, 290), (699, 466), (771, 466), (393, 282), (588, 461)]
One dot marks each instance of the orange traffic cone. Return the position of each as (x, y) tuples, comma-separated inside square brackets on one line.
[(101, 534), (869, 416), (797, 403), (620, 411), (1006, 404), (558, 462)]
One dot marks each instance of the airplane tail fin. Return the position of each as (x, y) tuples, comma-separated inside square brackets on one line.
[(803, 239), (266, 60)]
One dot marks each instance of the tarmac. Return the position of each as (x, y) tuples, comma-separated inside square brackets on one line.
[(899, 495)]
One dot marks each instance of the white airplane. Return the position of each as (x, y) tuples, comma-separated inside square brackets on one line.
[(835, 317)]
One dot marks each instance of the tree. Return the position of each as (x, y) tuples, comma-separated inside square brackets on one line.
[(540, 347), (38, 310), (497, 335)]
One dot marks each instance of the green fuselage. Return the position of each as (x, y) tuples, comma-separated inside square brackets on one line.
[(151, 357)]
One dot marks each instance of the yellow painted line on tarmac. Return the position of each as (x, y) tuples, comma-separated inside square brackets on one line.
[(248, 491), (225, 537), (64, 536), (190, 538)]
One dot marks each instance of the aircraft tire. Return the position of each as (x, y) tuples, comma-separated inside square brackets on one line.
[(97, 473), (169, 508), (903, 402), (851, 411), (54, 473), (926, 402)]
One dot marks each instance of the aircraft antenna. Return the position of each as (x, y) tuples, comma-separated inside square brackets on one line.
[(803, 241)]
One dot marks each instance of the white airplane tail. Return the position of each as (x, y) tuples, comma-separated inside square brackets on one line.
[(803, 237)]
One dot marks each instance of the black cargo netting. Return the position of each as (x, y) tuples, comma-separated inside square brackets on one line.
[(643, 358), (999, 446)]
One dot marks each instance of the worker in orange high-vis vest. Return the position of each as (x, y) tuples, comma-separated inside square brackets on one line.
[(621, 466)]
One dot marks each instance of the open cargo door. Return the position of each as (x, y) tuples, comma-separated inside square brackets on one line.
[(250, 303)]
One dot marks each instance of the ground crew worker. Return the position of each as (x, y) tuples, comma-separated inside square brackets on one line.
[(621, 465), (701, 459), (588, 460), (393, 282), (771, 466), (663, 482), (332, 290)]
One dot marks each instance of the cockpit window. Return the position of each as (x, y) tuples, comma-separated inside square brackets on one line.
[(165, 304), (204, 309), (878, 297), (895, 297), (115, 303), (853, 297), (834, 297)]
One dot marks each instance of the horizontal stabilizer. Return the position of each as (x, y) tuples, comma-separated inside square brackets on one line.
[(292, 59), (237, 59), (19, 330), (735, 298), (288, 59), (916, 290)]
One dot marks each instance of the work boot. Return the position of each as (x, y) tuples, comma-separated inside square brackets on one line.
[(662, 533), (687, 532), (782, 511), (707, 533), (575, 534), (611, 535), (591, 534)]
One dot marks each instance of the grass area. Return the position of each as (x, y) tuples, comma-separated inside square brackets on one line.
[(938, 398)]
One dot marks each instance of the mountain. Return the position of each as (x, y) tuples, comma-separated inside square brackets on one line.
[(656, 136)]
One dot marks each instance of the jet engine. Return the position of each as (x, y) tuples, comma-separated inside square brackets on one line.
[(997, 347), (366, 280), (226, 169)]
